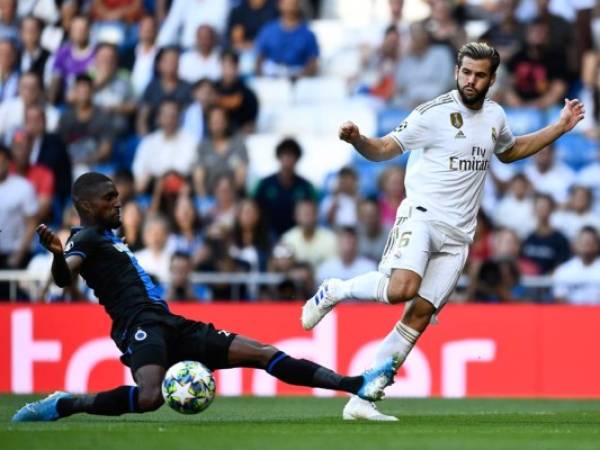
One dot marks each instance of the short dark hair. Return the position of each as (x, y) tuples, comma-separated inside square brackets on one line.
[(201, 82), (84, 78), (479, 50), (230, 54), (347, 171), (180, 254), (5, 151), (85, 186), (590, 229), (289, 146)]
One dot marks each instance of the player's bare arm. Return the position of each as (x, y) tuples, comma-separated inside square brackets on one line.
[(374, 149), (529, 144), (63, 269)]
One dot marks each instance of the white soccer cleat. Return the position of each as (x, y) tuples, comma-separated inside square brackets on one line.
[(359, 409), (319, 304)]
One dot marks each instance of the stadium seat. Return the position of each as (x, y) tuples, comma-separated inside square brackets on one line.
[(525, 120), (319, 90), (576, 150), (297, 119), (329, 117), (274, 96)]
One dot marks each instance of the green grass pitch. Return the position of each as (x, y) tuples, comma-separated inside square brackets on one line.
[(315, 423)]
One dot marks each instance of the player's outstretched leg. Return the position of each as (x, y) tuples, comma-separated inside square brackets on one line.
[(370, 286), (399, 342), (124, 399), (244, 352)]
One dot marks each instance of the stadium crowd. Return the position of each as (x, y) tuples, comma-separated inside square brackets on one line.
[(217, 120)]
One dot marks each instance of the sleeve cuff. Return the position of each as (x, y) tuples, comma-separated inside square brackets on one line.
[(75, 253)]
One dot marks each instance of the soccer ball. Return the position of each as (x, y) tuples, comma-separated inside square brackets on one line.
[(188, 387)]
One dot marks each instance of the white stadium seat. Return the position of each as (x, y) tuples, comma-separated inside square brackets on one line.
[(319, 90)]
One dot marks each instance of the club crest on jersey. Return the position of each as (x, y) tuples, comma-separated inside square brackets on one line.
[(140, 335), (456, 119), (494, 135), (69, 246)]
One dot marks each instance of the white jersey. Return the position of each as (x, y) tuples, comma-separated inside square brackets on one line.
[(451, 150)]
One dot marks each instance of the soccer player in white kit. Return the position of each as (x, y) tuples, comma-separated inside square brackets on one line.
[(452, 139)]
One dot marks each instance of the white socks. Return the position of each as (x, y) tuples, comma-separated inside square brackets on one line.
[(399, 342), (369, 286)]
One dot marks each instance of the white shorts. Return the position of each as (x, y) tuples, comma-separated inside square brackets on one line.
[(427, 248)]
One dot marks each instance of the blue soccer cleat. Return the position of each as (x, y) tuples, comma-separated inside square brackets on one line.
[(41, 411), (377, 379)]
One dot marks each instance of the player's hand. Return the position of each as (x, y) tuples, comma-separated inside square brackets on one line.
[(571, 114), (48, 239), (349, 132)]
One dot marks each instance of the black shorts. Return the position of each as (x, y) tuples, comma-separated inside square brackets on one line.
[(177, 339)]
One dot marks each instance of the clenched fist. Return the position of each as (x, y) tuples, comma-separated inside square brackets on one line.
[(349, 132)]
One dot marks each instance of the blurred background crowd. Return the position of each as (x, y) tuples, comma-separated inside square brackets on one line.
[(217, 120)]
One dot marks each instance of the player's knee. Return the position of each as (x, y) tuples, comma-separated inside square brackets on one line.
[(150, 398), (265, 353), (403, 291)]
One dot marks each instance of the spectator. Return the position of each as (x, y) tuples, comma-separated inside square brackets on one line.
[(115, 20), (205, 97), (203, 60), (277, 194), (49, 150), (85, 129), (546, 246), (250, 241), (34, 57), (498, 278), (18, 212), (379, 67), (156, 254), (391, 184), (443, 27), (53, 35), (144, 54), (340, 207), (73, 58), (131, 227), (180, 288), (8, 20), (165, 150), (309, 242), (12, 111), (538, 74), (372, 234), (222, 213), (220, 153), (233, 94), (187, 236), (425, 72), (179, 28), (578, 280), (9, 75), (40, 177), (113, 93), (577, 214), (561, 36), (506, 32), (550, 177), (589, 176), (125, 184), (246, 19), (515, 210), (480, 251), (347, 263), (286, 47), (164, 86)]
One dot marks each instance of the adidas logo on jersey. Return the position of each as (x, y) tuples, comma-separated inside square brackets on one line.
[(459, 135)]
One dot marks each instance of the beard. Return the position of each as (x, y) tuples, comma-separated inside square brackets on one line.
[(475, 98)]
